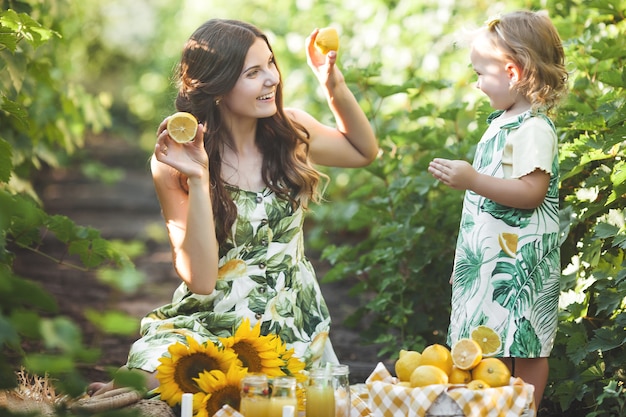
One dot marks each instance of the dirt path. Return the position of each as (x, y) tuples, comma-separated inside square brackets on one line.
[(128, 210)]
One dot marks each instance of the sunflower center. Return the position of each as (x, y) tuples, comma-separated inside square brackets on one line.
[(190, 367), (228, 394), (249, 356)]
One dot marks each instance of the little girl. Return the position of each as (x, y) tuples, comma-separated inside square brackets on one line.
[(507, 262)]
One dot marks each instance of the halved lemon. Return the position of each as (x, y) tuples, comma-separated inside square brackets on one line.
[(488, 340), (466, 354), (182, 126), (327, 40), (508, 243)]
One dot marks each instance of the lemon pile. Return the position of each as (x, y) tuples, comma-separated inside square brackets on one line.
[(467, 363)]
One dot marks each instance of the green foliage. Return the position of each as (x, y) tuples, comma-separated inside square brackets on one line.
[(67, 68), (44, 116)]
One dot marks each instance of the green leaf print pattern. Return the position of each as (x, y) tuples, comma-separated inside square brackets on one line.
[(514, 292), (518, 285), (526, 343), (512, 217), (264, 276)]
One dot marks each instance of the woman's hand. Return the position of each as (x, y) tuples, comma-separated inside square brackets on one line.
[(190, 158), (323, 66)]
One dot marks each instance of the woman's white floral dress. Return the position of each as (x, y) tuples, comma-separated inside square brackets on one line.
[(507, 263), (263, 276)]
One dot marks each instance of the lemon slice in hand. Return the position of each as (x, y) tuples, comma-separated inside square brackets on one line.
[(182, 127), (327, 40)]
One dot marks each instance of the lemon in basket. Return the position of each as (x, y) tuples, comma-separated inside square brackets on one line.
[(406, 364), (428, 375), (439, 356), (477, 384), (459, 376), (493, 372)]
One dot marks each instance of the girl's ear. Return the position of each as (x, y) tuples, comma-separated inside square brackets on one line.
[(513, 71)]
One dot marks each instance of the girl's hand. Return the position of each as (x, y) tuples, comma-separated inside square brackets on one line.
[(323, 66), (190, 158), (457, 174)]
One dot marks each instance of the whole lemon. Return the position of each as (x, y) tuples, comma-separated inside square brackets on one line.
[(428, 375), (493, 372), (439, 356), (406, 364), (459, 376), (327, 40), (477, 384)]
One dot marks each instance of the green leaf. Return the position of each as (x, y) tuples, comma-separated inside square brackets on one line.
[(26, 322), (6, 163), (127, 280), (16, 111), (8, 39), (42, 363), (605, 230), (113, 322), (8, 333), (61, 333), (605, 339)]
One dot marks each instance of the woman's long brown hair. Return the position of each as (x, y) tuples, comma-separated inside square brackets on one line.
[(211, 63)]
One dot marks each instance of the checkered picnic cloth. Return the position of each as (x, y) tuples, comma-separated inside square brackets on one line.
[(513, 400), (227, 411), (387, 399), (360, 407)]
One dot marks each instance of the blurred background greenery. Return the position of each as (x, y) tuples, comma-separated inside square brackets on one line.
[(74, 70)]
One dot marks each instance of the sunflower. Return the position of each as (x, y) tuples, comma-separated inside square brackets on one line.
[(255, 352), (291, 364), (176, 373), (219, 389)]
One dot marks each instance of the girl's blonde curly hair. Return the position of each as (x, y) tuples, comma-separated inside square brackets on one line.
[(531, 41)]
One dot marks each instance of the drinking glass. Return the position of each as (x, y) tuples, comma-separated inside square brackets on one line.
[(255, 395), (320, 394), (283, 394)]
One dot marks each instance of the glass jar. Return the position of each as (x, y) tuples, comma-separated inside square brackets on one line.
[(341, 386), (320, 394), (283, 396), (255, 395)]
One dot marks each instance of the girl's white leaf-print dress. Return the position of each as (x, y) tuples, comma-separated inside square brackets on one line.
[(507, 262), (263, 276)]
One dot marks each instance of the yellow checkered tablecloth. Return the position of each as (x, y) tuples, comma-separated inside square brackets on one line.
[(387, 399)]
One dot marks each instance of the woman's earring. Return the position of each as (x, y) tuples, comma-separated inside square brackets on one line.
[(217, 101)]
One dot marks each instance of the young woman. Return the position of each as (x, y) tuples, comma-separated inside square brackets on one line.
[(234, 198), (507, 264)]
